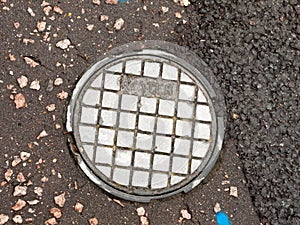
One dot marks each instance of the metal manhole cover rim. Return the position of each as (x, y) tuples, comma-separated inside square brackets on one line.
[(218, 121)]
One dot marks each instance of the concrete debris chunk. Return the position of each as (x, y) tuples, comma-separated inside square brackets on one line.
[(8, 174), (58, 10), (58, 81), (16, 161), (31, 62), (103, 17), (141, 211), (233, 191), (60, 200), (38, 191), (20, 101), (20, 191), (21, 178), (93, 221), (23, 81), (78, 207), (111, 2), (42, 134), (51, 221), (119, 24), (56, 212), (20, 204), (41, 26), (50, 108), (30, 11), (35, 85), (24, 155), (96, 2), (3, 219), (62, 95), (185, 214), (63, 44), (17, 219)]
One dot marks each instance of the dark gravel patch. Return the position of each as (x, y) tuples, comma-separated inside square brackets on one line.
[(254, 50)]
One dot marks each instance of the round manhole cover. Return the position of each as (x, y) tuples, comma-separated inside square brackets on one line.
[(147, 121)]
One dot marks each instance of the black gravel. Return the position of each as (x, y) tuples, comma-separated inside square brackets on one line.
[(253, 48)]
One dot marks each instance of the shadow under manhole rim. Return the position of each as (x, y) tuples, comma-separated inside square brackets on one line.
[(147, 120)]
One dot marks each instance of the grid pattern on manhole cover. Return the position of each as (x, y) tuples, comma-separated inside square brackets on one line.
[(144, 125)]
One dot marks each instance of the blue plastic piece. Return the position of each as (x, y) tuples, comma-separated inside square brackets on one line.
[(222, 218)]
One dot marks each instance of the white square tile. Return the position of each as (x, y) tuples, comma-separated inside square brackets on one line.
[(201, 97), (166, 107), (163, 144), (202, 131), (89, 115), (151, 69), (184, 77), (182, 146), (161, 162), (187, 92), (133, 67), (91, 97), (97, 83), (112, 82), (176, 179), (123, 157), (142, 160), (129, 102), (180, 165), (195, 165), (87, 134), (203, 113), (127, 120), (104, 155), (116, 68), (164, 126), (144, 141), (183, 128), (169, 72), (105, 170), (110, 100), (200, 148), (159, 181), (185, 110), (121, 176), (89, 150), (106, 136), (125, 139), (148, 105), (140, 179), (146, 123), (108, 118)]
